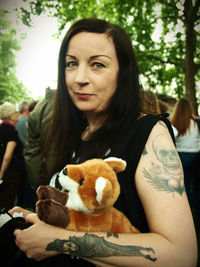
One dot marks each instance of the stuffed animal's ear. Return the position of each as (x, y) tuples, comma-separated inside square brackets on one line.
[(103, 189), (117, 164)]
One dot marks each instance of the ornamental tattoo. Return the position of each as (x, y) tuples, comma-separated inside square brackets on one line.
[(90, 245), (167, 175)]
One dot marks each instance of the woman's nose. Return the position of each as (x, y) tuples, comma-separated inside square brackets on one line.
[(82, 75)]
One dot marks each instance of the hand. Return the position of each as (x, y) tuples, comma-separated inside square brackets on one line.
[(34, 240)]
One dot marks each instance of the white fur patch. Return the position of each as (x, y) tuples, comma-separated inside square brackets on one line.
[(115, 159), (74, 201), (99, 187)]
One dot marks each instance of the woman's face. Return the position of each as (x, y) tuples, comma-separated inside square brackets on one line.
[(91, 71), (14, 117)]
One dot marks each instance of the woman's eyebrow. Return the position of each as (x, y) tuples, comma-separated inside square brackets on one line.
[(70, 56), (92, 57), (95, 56)]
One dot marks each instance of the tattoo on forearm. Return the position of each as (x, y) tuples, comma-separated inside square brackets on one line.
[(167, 175), (113, 234), (91, 245)]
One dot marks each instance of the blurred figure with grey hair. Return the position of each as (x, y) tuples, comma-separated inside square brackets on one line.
[(21, 125), (12, 165), (26, 197)]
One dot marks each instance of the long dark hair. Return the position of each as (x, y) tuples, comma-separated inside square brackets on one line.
[(124, 108), (182, 115)]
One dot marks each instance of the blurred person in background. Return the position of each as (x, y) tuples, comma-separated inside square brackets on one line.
[(164, 106), (37, 122), (12, 166), (32, 105), (187, 138), (26, 196), (21, 125), (150, 102)]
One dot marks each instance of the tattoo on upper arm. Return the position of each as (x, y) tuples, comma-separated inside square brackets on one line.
[(161, 123), (91, 245), (144, 151), (167, 175)]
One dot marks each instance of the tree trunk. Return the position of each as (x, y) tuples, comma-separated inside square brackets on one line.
[(189, 66)]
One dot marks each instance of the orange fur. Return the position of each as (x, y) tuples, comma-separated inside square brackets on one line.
[(93, 189)]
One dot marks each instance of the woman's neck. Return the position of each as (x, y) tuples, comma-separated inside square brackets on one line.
[(94, 123)]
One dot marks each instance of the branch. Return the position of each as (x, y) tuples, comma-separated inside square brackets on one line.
[(175, 62), (173, 6), (171, 17)]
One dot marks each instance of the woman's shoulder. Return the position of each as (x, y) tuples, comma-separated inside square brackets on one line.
[(147, 122), (7, 129), (138, 134)]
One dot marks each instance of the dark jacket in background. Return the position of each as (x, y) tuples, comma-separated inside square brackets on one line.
[(37, 123)]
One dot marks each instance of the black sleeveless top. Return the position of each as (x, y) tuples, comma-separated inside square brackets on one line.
[(131, 149), (129, 202)]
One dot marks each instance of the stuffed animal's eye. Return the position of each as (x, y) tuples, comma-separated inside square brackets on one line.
[(65, 171), (81, 182)]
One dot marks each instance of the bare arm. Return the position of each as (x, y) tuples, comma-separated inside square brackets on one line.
[(172, 241), (7, 157)]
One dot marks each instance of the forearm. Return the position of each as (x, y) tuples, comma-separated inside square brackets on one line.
[(124, 250), (4, 166), (151, 249)]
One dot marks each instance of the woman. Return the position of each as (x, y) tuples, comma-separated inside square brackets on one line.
[(97, 113), (11, 160), (187, 136), (150, 103)]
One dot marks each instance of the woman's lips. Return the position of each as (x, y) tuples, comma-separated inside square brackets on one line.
[(84, 96)]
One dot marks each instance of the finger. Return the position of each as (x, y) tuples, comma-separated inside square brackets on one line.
[(32, 218), (19, 210), (15, 209), (17, 232)]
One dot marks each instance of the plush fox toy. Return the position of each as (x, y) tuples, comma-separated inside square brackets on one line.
[(87, 205)]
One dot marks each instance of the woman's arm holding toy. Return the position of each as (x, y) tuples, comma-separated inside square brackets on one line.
[(172, 241), (42, 240)]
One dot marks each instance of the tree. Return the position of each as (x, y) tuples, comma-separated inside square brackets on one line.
[(184, 52), (170, 64), (11, 89)]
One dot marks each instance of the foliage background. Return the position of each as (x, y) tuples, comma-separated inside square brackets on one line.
[(165, 36), (11, 89), (169, 63)]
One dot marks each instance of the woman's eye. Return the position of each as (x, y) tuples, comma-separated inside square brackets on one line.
[(71, 64), (98, 65)]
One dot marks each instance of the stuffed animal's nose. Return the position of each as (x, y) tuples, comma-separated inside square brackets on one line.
[(65, 171)]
